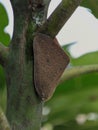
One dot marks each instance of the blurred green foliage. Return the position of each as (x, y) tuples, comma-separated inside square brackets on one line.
[(4, 37), (74, 105)]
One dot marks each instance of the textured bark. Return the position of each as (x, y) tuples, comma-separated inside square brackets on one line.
[(24, 108)]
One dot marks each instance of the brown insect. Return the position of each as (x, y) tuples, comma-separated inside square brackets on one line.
[(50, 62)]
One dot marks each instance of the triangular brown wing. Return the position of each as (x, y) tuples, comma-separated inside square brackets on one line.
[(50, 62)]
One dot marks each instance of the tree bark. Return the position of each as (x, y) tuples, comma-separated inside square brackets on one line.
[(24, 108)]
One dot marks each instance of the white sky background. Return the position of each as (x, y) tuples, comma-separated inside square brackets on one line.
[(82, 28)]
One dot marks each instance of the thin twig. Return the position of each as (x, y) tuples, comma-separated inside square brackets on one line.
[(77, 71)]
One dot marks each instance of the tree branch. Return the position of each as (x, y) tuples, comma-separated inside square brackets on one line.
[(4, 125), (3, 54), (79, 70), (59, 17), (46, 3)]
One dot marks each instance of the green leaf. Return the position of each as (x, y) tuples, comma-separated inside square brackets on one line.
[(91, 4), (66, 48), (4, 37), (86, 59)]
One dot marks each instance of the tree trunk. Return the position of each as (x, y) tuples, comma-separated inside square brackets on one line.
[(24, 108)]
